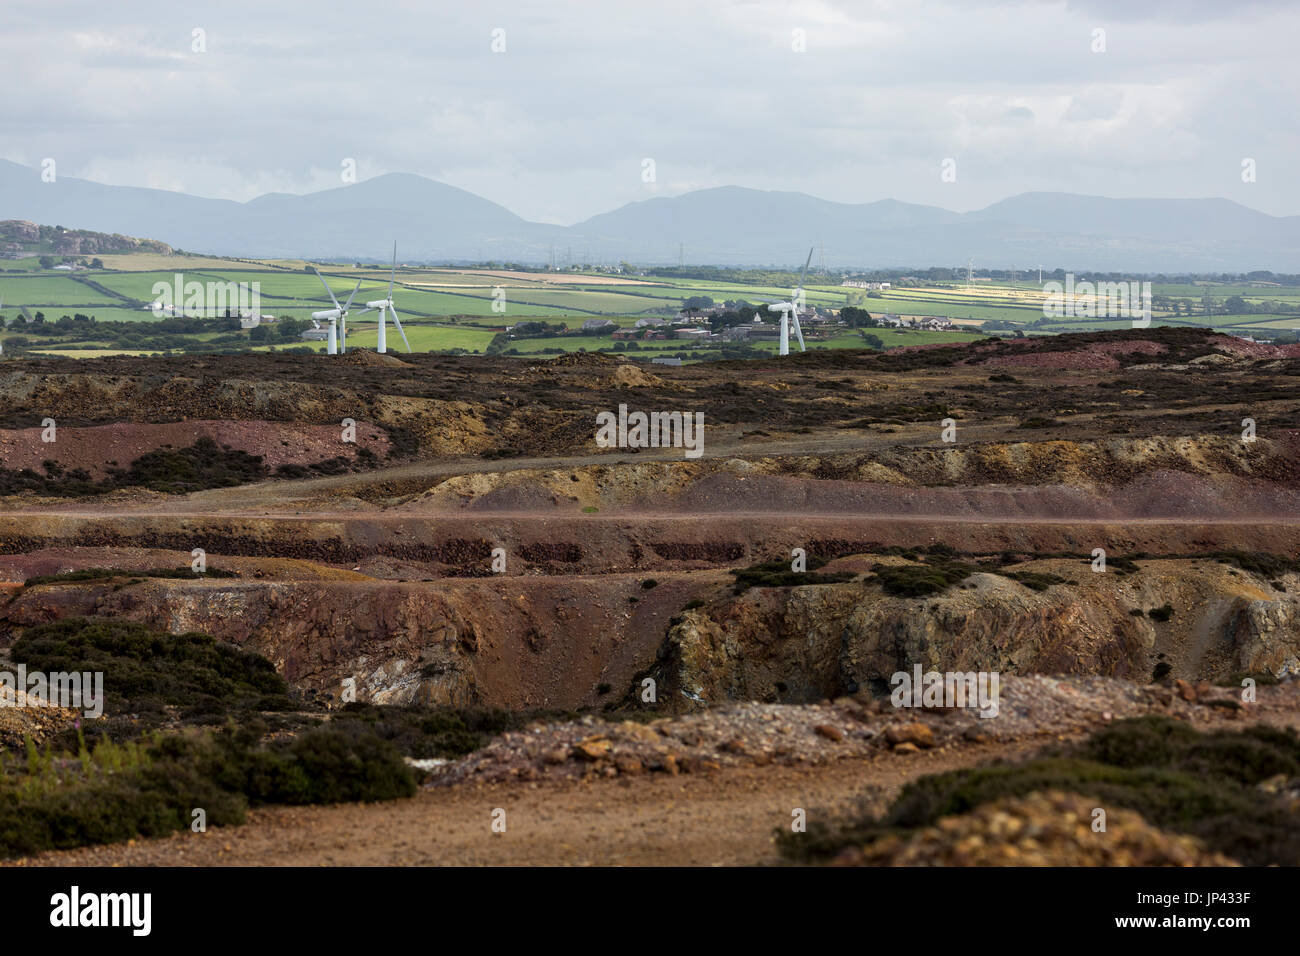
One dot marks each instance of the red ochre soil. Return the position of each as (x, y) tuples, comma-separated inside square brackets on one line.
[(837, 454), (98, 448), (386, 575)]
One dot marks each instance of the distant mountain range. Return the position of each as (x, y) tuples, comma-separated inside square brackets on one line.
[(729, 225)]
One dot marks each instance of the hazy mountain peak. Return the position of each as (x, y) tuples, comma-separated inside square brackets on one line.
[(725, 225)]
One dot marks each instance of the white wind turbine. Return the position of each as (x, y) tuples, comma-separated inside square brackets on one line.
[(386, 306), (790, 312), (335, 317)]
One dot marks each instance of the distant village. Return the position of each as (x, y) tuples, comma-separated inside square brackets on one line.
[(715, 324)]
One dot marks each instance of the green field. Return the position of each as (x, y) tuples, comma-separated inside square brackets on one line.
[(40, 289), (423, 338), (453, 309)]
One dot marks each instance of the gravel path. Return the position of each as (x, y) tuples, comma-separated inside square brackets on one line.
[(690, 820), (738, 777)]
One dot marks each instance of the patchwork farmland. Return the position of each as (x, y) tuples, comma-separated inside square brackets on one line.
[(450, 309)]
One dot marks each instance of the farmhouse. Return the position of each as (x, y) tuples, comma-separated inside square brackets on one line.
[(598, 325), (930, 322)]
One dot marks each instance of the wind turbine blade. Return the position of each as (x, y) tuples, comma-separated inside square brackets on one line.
[(798, 331), (327, 287), (392, 275), (798, 292), (352, 296), (393, 309)]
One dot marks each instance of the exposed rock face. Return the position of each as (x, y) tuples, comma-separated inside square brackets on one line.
[(1265, 636), (466, 642), (399, 643), (998, 626), (537, 641), (829, 640), (809, 643), (78, 241)]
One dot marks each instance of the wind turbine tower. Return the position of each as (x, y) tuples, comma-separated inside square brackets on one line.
[(386, 307), (336, 317), (790, 312)]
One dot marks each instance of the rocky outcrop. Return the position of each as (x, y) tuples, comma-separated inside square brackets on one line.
[(1265, 636), (804, 644), (552, 644), (566, 641), (811, 643)]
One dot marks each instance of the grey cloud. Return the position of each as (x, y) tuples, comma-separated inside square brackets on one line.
[(556, 127)]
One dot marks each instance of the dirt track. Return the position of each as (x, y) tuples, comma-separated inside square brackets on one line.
[(713, 819)]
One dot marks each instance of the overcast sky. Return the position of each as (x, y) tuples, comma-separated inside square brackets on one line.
[(557, 127)]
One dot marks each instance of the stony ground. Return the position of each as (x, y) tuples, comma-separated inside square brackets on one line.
[(21, 718), (759, 735), (706, 819), (714, 788), (1041, 829)]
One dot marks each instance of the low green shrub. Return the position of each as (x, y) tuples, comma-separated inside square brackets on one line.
[(146, 671), (95, 574), (1178, 778), (102, 799), (922, 580), (777, 574), (1035, 580), (1162, 613)]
